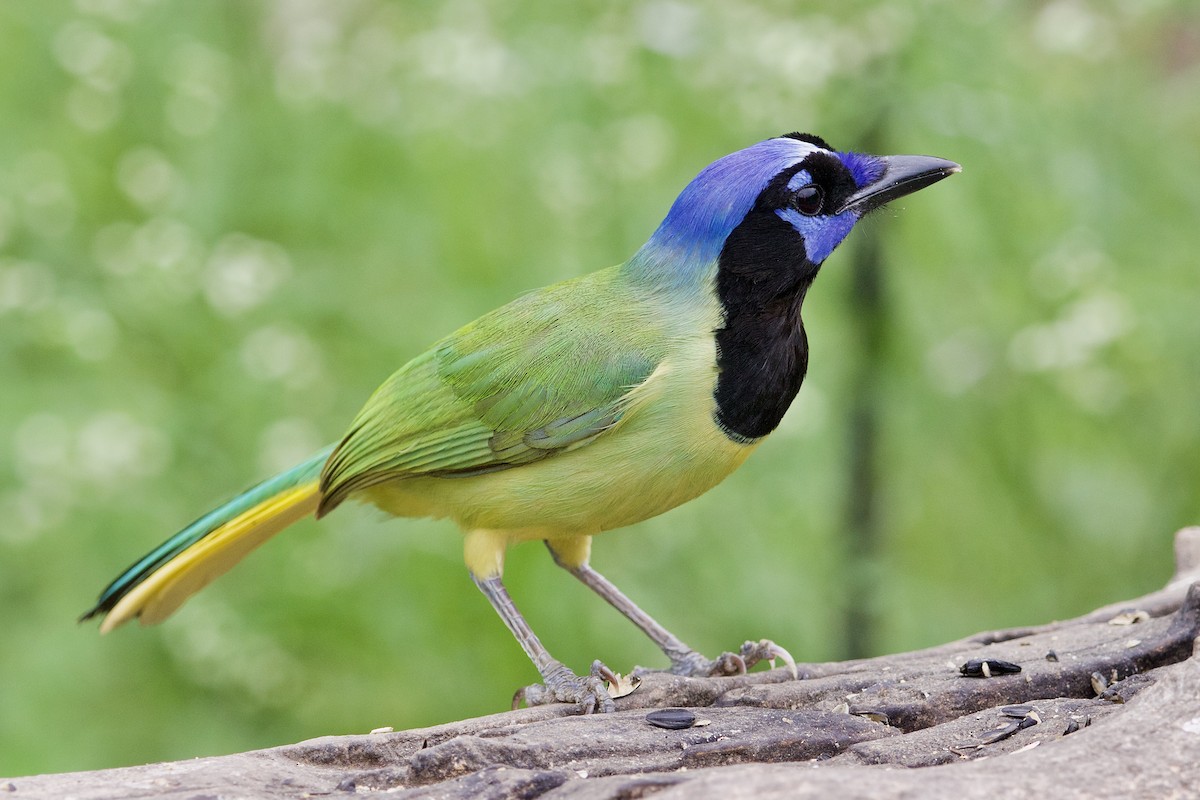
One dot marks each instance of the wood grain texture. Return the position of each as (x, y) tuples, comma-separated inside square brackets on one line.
[(1116, 715)]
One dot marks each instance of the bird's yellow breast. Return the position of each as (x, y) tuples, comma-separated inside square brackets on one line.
[(666, 450)]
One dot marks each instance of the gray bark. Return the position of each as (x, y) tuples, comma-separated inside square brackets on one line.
[(1108, 706)]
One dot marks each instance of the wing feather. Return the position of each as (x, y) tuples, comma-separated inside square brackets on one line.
[(545, 373)]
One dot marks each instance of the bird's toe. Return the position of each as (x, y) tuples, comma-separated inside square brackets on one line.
[(694, 665), (589, 693), (766, 650)]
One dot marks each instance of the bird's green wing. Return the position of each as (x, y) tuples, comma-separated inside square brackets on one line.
[(544, 373)]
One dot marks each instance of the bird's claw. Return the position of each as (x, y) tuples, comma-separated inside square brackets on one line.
[(694, 665), (766, 650), (589, 693), (726, 664)]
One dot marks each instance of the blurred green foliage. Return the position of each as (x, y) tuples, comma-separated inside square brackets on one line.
[(223, 223)]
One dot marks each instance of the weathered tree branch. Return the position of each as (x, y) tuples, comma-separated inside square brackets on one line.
[(1121, 681)]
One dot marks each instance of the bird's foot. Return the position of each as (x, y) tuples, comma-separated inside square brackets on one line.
[(694, 665), (588, 693)]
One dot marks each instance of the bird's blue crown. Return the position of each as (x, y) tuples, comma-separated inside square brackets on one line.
[(686, 245)]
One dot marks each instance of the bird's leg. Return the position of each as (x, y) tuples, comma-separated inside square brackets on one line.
[(572, 556), (560, 684)]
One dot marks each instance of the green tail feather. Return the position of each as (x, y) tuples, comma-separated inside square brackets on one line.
[(145, 566)]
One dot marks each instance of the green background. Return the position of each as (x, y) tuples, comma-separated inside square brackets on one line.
[(223, 223)]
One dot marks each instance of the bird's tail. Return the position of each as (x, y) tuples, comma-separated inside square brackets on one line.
[(158, 583)]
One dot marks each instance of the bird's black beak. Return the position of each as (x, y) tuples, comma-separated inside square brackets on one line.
[(902, 175)]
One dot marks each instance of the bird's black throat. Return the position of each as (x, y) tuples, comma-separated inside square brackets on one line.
[(763, 274)]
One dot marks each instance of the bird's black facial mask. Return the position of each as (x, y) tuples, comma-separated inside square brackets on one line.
[(808, 198), (828, 192), (771, 257)]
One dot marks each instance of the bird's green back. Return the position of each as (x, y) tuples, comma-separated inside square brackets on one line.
[(542, 374)]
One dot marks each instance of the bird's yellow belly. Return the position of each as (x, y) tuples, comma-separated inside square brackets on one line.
[(666, 451)]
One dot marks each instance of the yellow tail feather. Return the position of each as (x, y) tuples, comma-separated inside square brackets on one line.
[(160, 594)]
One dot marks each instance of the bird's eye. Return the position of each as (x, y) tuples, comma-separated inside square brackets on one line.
[(809, 199)]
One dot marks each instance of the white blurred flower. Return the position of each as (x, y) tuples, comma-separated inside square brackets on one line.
[(466, 59), (163, 243), (959, 362), (125, 11), (286, 443), (167, 244), (49, 205), (112, 247), (305, 36), (25, 285), (92, 56), (42, 442), (1095, 389), (7, 219), (200, 79), (669, 27), (34, 509), (275, 354), (1070, 341), (243, 272), (643, 145), (147, 177), (113, 447), (1074, 264), (1075, 28), (90, 332), (562, 183), (91, 109), (218, 649)]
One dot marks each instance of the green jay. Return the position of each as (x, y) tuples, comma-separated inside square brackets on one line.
[(582, 407)]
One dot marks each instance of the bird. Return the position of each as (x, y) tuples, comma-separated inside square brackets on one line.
[(582, 407)]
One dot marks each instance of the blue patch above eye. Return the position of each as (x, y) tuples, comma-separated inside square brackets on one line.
[(821, 234), (801, 178), (864, 168)]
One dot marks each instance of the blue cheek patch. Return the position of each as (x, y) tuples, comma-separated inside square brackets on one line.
[(821, 234)]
